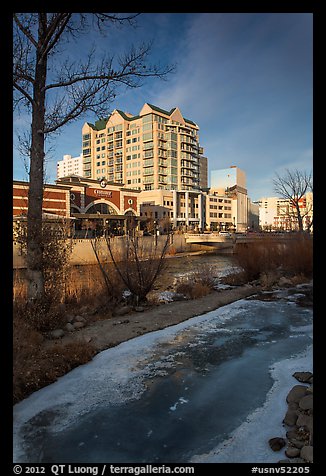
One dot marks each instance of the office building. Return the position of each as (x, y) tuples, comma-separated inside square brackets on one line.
[(277, 213), (231, 182), (70, 166)]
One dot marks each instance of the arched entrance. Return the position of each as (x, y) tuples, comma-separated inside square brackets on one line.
[(100, 219)]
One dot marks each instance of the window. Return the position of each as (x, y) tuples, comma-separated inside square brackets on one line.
[(147, 127), (148, 136)]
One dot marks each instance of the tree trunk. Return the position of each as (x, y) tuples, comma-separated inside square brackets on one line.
[(35, 194), (299, 217)]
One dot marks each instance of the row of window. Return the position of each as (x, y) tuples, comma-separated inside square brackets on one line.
[(219, 207), (219, 215)]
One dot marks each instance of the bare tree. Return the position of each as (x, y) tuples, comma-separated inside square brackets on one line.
[(138, 264), (57, 89), (293, 186)]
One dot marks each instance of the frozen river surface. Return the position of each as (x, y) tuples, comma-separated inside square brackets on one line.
[(211, 389)]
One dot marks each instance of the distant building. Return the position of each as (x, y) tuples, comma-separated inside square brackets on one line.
[(70, 166), (231, 182), (278, 214)]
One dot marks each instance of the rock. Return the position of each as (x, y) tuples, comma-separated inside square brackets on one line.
[(296, 393), (292, 452), (284, 281), (307, 453), (303, 377), (56, 334), (78, 325), (80, 319), (305, 421), (139, 309), (297, 443), (69, 327), (122, 311), (277, 443), (293, 406), (306, 402), (70, 318), (290, 417), (297, 434)]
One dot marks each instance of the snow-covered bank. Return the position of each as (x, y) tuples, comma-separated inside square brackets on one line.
[(249, 442)]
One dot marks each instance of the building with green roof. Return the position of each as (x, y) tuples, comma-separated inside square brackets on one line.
[(154, 150)]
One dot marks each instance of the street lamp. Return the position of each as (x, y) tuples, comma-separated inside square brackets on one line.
[(155, 231)]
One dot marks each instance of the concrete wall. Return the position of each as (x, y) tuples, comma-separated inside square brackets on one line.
[(82, 251)]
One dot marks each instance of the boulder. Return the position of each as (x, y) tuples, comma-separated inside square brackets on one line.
[(303, 377), (277, 443), (292, 452), (296, 393), (297, 443), (305, 421), (78, 325), (297, 434), (291, 417), (307, 453), (306, 402), (283, 281), (56, 334), (69, 327), (122, 311), (80, 319)]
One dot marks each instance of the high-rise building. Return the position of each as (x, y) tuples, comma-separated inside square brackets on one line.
[(70, 166), (154, 150), (232, 183)]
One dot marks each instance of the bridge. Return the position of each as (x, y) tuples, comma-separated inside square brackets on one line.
[(224, 242)]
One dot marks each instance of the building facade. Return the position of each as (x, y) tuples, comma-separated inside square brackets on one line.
[(279, 214), (101, 207), (155, 150), (70, 166), (231, 182), (56, 201), (189, 210), (92, 208)]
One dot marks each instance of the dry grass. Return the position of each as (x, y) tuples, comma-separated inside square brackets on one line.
[(193, 290), (268, 259), (35, 366), (197, 284)]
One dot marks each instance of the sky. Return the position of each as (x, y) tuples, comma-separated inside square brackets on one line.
[(244, 78)]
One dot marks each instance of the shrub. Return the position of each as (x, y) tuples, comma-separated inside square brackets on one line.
[(138, 265), (266, 257), (205, 275), (41, 314), (193, 290), (35, 365)]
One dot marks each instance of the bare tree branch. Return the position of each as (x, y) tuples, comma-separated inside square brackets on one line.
[(25, 30), (293, 186)]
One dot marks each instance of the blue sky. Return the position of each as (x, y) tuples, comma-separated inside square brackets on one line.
[(244, 78)]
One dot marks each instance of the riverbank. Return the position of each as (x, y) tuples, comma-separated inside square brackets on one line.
[(103, 334)]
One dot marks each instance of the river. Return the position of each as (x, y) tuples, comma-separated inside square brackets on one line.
[(173, 396)]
